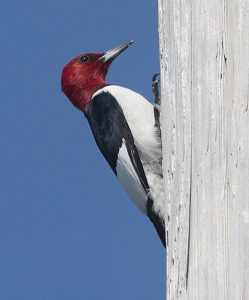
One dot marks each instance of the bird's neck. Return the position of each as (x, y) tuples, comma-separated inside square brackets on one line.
[(82, 96)]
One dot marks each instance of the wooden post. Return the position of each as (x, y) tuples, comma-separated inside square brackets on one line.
[(204, 48)]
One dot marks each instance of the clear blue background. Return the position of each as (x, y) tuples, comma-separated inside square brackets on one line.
[(67, 229)]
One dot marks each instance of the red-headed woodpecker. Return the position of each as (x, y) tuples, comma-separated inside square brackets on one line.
[(123, 126)]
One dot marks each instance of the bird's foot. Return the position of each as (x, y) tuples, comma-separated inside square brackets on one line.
[(156, 105)]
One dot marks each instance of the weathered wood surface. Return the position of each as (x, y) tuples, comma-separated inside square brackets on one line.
[(204, 47)]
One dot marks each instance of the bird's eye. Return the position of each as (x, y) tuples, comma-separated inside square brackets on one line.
[(84, 59)]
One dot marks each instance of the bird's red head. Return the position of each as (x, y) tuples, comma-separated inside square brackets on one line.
[(86, 73)]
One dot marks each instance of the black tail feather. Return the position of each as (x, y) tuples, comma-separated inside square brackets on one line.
[(157, 221)]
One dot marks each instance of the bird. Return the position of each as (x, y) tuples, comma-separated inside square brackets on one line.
[(124, 128)]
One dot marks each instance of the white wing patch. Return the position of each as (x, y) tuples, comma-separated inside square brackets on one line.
[(129, 179)]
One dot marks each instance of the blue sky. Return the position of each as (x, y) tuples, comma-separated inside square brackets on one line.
[(68, 230)]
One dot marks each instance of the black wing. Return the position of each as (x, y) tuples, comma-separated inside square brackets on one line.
[(110, 129)]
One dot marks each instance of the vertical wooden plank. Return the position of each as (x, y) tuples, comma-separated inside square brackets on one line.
[(204, 47)]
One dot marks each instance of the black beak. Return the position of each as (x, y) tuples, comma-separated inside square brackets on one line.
[(111, 54)]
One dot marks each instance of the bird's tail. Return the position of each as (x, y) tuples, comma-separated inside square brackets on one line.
[(157, 221)]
